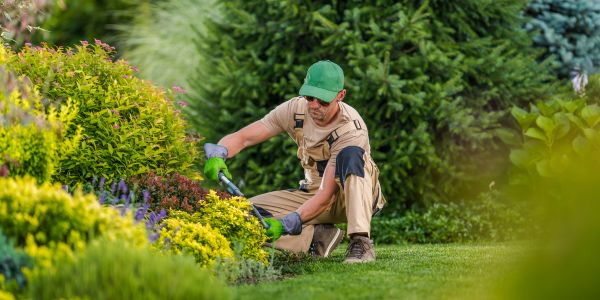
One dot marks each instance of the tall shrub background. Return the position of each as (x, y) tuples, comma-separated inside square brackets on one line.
[(432, 79)]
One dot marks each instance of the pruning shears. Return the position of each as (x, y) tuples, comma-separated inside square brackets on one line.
[(233, 189)]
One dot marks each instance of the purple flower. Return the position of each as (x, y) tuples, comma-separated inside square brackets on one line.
[(102, 197), (146, 196), (183, 103), (113, 187), (85, 43), (128, 199), (102, 181), (134, 68), (66, 188), (154, 237), (122, 186), (115, 126), (141, 212)]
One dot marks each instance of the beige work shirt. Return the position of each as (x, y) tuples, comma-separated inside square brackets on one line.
[(314, 150)]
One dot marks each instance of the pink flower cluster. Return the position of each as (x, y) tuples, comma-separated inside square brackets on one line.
[(105, 46)]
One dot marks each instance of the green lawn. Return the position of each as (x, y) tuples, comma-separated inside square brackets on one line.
[(455, 271)]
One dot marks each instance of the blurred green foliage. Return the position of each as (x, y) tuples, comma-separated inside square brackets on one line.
[(114, 270), (129, 126), (433, 80), (557, 134), (12, 263), (159, 39), (70, 21), (569, 30)]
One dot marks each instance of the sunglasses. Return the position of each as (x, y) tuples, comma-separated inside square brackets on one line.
[(321, 102)]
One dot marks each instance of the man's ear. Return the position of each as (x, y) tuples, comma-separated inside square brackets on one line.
[(341, 95)]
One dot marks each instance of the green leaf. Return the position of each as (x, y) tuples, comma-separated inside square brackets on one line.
[(520, 158), (590, 134), (543, 168), (581, 145), (546, 124), (508, 136), (523, 117), (536, 134), (562, 125), (591, 115)]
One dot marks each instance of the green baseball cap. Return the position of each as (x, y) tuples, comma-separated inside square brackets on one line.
[(324, 80)]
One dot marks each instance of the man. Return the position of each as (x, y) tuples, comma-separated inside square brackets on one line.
[(341, 180)]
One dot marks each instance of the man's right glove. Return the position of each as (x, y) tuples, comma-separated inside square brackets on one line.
[(215, 161), (290, 224)]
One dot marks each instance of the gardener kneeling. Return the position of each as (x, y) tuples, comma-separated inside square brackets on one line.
[(341, 180)]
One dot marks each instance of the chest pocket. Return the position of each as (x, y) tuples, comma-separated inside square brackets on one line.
[(316, 157)]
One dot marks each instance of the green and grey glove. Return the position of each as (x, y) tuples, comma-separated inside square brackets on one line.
[(290, 224), (215, 161)]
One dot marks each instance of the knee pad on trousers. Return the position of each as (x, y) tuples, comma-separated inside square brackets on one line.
[(350, 162)]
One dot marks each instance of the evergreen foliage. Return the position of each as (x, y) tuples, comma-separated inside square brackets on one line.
[(432, 80), (569, 30)]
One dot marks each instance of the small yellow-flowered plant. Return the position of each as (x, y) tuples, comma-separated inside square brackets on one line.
[(232, 218), (180, 235)]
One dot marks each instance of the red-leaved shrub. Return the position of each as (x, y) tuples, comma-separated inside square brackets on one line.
[(173, 191)]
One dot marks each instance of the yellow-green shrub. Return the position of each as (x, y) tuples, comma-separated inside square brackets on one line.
[(205, 244), (237, 225), (31, 135), (49, 224), (231, 217), (130, 126)]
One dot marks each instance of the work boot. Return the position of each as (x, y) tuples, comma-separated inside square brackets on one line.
[(360, 250), (325, 239)]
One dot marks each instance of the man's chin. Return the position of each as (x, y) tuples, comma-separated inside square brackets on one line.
[(317, 118)]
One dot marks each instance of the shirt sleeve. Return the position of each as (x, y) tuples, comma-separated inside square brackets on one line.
[(279, 119)]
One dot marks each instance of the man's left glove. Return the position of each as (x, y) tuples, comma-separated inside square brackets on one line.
[(290, 224), (215, 161)]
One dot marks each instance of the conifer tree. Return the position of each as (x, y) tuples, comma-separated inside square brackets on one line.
[(569, 30)]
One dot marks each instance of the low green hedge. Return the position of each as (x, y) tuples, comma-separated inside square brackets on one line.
[(112, 270), (486, 219)]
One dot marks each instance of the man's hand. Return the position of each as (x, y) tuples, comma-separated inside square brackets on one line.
[(215, 161), (290, 224), (275, 229)]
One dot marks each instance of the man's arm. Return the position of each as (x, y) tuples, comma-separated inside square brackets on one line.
[(250, 135), (322, 199)]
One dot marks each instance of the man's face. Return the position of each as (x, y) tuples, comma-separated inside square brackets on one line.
[(318, 109)]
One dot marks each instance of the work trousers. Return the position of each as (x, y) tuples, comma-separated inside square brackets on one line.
[(355, 202)]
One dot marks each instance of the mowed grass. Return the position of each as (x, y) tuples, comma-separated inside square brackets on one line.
[(455, 271)]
